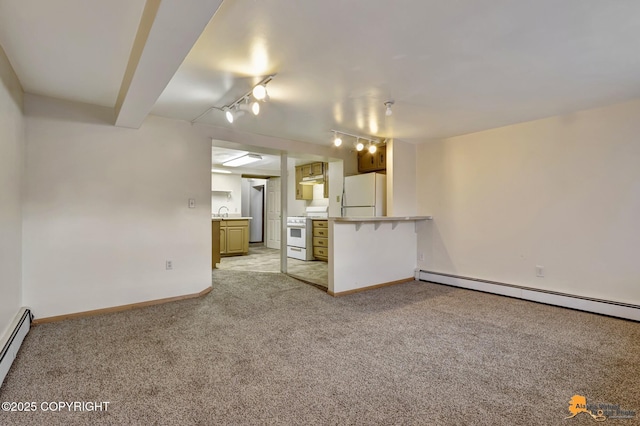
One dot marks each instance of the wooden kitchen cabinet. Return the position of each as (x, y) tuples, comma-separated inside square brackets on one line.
[(321, 240), (368, 162), (215, 243), (312, 169), (303, 192), (326, 180), (234, 237)]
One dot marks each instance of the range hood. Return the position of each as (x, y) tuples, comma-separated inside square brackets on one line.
[(312, 180)]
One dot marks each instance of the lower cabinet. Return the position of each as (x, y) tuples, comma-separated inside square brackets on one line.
[(321, 240), (234, 237), (215, 243)]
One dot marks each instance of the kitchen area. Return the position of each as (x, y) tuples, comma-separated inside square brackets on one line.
[(247, 222), (335, 218)]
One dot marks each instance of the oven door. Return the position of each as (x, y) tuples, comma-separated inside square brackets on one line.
[(296, 236)]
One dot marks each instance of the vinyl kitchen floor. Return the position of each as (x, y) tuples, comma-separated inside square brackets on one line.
[(264, 259)]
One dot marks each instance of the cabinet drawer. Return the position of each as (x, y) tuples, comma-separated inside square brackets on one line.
[(320, 224), (321, 232), (321, 252), (320, 242), (234, 222)]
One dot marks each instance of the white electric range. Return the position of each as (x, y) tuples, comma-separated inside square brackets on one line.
[(300, 233)]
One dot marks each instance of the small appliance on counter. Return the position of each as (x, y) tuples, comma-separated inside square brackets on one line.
[(365, 195)]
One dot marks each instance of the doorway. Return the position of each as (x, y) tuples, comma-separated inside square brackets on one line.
[(256, 211)]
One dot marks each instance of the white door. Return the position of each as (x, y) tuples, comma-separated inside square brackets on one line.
[(274, 220)]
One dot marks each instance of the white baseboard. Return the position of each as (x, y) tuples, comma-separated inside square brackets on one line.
[(12, 340), (614, 309)]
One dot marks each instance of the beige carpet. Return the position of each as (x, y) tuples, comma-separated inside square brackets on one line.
[(262, 348)]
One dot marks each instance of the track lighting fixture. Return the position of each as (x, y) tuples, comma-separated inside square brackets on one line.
[(243, 104), (359, 145), (388, 111)]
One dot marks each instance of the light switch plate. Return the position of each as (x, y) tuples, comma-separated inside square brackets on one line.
[(192, 203)]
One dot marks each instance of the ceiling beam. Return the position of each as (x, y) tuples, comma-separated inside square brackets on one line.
[(167, 32)]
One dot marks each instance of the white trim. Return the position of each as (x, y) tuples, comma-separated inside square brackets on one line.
[(604, 307)]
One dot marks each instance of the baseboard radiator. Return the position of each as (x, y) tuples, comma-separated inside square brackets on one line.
[(13, 339), (598, 306)]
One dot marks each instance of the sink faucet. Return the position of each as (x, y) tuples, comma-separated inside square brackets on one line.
[(226, 214)]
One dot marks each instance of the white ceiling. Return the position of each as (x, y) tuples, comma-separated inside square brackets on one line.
[(452, 67)]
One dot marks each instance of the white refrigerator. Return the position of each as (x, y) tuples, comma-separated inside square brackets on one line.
[(365, 195)]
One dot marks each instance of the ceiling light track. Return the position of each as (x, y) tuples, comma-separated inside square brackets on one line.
[(243, 104), (359, 141)]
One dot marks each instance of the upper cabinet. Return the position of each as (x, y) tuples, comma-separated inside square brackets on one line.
[(312, 170), (303, 192), (318, 171), (368, 162)]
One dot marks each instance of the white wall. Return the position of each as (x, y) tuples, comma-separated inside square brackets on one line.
[(336, 183), (232, 200), (401, 179), (105, 208), (12, 141), (364, 254), (562, 192)]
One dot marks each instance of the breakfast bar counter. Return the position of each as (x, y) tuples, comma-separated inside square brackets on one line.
[(370, 252)]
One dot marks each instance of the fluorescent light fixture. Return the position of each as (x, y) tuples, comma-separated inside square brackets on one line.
[(241, 161), (226, 172)]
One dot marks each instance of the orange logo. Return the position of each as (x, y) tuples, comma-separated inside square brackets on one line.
[(599, 412)]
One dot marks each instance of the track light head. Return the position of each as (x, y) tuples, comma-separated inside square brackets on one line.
[(260, 92), (359, 145), (229, 115), (255, 108), (372, 148), (337, 140)]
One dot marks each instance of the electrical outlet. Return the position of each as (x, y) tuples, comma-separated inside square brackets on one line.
[(169, 265), (192, 203), (539, 271), (421, 257), (337, 198)]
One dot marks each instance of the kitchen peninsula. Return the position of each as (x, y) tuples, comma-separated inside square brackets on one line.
[(370, 252)]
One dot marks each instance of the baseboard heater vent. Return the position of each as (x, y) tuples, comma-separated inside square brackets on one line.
[(598, 306), (13, 339)]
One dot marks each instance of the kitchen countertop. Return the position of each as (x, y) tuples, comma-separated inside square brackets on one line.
[(232, 218), (380, 218)]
